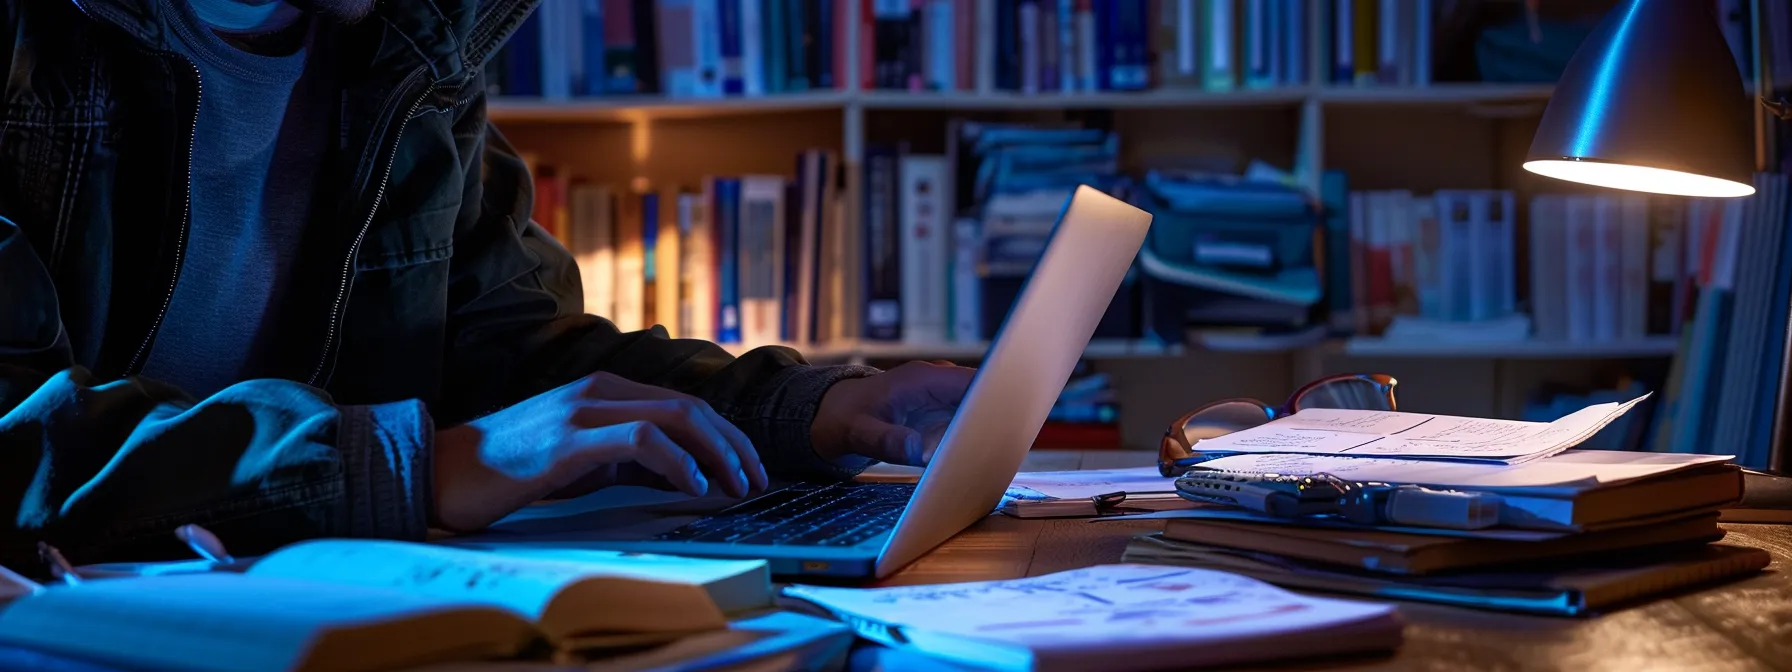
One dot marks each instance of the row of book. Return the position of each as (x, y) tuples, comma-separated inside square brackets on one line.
[(674, 48), (1722, 388), (1033, 46), (717, 48), (1446, 257), (755, 259)]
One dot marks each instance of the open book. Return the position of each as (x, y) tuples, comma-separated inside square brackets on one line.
[(1358, 433), (1110, 617), (364, 604)]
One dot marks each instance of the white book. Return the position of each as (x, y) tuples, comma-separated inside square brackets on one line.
[(668, 283), (1633, 308), (631, 265), (967, 307), (1581, 272), (1456, 218), (591, 208), (1607, 268), (1502, 218), (1549, 300), (1108, 618), (752, 48), (698, 268), (316, 605), (761, 261), (925, 246)]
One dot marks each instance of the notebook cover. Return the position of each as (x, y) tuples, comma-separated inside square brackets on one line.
[(1579, 587)]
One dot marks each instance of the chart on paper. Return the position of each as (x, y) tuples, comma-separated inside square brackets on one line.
[(1330, 431)]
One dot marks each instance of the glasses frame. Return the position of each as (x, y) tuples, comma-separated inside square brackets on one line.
[(1176, 455)]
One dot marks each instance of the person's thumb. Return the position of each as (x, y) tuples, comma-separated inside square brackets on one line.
[(886, 442)]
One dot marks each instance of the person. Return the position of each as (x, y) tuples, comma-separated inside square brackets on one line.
[(265, 267)]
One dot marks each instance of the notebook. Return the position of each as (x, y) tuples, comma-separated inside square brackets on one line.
[(317, 604), (1576, 491), (1110, 617), (1409, 553), (1584, 587)]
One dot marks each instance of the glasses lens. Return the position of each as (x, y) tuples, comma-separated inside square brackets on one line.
[(1362, 393), (1224, 417)]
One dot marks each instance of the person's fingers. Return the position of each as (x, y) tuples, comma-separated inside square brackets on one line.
[(942, 384), (744, 450), (885, 442), (608, 386), (684, 421), (644, 444)]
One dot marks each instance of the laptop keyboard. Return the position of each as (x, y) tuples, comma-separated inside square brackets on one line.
[(840, 514)]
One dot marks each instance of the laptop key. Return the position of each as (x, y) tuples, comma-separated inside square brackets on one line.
[(841, 514)]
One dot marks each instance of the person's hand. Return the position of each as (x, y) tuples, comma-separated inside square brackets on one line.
[(897, 416), (599, 430)]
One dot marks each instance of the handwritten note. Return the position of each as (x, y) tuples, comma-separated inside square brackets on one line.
[(1418, 435), (1106, 606)]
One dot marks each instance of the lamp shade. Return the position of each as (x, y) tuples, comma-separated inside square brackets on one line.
[(1651, 102)]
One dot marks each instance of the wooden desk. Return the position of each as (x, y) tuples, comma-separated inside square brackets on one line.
[(1742, 625)]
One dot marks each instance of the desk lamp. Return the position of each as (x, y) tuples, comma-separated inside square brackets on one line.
[(1653, 101)]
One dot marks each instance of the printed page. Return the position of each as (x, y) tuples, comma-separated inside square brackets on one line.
[(1086, 484), (1106, 606), (523, 585), (1417, 435), (1571, 471)]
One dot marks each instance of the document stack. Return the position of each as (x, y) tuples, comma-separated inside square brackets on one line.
[(1577, 531)]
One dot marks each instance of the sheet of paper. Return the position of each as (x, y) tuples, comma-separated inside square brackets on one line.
[(1565, 473), (1418, 435), (1086, 484), (1243, 516), (1106, 606)]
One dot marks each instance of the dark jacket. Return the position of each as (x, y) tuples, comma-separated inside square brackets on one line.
[(429, 297)]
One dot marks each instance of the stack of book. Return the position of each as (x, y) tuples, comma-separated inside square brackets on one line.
[(1578, 533)]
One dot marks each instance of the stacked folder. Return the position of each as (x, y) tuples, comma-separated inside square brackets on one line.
[(1579, 533)]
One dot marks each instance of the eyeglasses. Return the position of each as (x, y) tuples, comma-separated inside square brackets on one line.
[(1176, 455)]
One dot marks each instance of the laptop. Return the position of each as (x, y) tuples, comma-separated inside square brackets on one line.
[(858, 530)]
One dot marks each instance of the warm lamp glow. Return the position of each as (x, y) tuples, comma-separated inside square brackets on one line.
[(1639, 178)]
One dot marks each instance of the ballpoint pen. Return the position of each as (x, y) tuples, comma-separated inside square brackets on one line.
[(1367, 503), (59, 566)]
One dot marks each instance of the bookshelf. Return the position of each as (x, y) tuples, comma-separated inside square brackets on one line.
[(1423, 138)]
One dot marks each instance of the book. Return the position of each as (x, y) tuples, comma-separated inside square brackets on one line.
[(317, 605), (1587, 586), (1578, 490), (1110, 617), (1410, 553)]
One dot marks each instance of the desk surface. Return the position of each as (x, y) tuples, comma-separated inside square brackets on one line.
[(1741, 625)]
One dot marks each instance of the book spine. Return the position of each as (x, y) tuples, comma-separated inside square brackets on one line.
[(752, 47), (1633, 228), (967, 239), (678, 56), (1387, 43), (797, 67), (707, 45), (650, 253), (1666, 268), (1343, 45), (1608, 269), (1067, 46), (591, 48), (619, 46), (1363, 33), (1049, 51), (883, 271), (924, 248), (1222, 71), (1088, 46), (1503, 213), (829, 46), (667, 270), (1421, 43), (966, 47), (631, 265), (815, 55), (1582, 270), (1028, 16), (725, 216)]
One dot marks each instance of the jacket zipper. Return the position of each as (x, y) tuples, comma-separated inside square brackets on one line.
[(348, 264), (180, 236)]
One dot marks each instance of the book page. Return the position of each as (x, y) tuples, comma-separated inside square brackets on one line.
[(1092, 482), (1105, 606), (1570, 471), (526, 586), (1418, 435)]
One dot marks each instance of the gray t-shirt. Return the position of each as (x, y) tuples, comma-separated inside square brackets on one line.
[(261, 137)]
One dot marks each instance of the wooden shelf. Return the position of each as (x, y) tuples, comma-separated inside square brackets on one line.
[(1655, 346), (1098, 349), (1436, 94), (631, 108)]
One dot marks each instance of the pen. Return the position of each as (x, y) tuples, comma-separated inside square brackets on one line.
[(204, 543)]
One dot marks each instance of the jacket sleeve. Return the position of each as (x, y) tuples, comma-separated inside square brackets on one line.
[(105, 470), (517, 327)]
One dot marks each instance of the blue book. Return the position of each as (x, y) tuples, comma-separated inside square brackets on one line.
[(1334, 192), (1105, 31), (725, 214), (650, 244), (776, 31), (733, 83), (796, 61), (591, 53), (522, 75), (824, 46)]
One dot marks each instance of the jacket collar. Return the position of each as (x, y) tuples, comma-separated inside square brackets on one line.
[(451, 38)]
